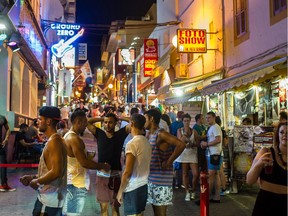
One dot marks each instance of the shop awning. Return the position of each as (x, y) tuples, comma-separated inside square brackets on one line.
[(178, 99), (145, 84), (196, 79), (31, 59), (244, 78)]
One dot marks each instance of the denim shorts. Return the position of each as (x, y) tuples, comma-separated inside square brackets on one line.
[(135, 201), (48, 211), (214, 167), (75, 199)]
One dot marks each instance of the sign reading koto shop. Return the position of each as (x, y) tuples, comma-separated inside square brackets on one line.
[(191, 41)]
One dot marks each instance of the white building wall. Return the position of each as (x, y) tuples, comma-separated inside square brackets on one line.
[(262, 36), (203, 15)]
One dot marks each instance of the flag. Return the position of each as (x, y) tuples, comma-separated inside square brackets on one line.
[(86, 69), (65, 85)]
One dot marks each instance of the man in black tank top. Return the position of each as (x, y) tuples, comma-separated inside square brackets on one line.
[(109, 144)]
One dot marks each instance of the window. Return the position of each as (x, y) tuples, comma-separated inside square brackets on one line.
[(278, 6), (240, 21), (278, 10), (240, 17)]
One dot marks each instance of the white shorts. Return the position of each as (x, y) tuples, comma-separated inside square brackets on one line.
[(159, 195)]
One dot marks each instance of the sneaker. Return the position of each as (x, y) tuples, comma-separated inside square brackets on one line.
[(224, 192), (2, 188), (6, 187), (193, 196), (187, 197)]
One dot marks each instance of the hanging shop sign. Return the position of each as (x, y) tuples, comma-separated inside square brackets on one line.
[(82, 51), (191, 41), (65, 83), (62, 46), (65, 29), (150, 56), (99, 76), (126, 56)]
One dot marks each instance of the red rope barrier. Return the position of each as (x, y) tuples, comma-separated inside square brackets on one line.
[(19, 165)]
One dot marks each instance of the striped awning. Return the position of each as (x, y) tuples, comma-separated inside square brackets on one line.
[(243, 78)]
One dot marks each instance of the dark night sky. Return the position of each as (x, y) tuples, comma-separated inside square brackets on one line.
[(104, 12)]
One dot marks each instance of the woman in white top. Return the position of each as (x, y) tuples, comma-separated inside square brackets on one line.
[(188, 157)]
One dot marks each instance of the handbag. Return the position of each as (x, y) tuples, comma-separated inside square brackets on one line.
[(215, 159)]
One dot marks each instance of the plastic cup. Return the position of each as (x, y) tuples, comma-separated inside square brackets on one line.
[(91, 155), (268, 169)]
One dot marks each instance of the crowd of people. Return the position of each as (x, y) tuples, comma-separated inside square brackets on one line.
[(153, 141)]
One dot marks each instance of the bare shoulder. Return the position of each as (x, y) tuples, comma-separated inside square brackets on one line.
[(56, 142)]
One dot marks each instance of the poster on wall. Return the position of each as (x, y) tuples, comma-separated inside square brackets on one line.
[(243, 138), (244, 102), (263, 137), (242, 162)]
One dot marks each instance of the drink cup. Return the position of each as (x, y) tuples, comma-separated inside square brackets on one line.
[(91, 155), (268, 169)]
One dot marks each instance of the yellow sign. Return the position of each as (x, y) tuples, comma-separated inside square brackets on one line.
[(191, 41)]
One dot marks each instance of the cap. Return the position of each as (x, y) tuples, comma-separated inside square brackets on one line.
[(50, 112)]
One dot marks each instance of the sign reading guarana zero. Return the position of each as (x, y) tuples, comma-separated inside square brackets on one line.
[(191, 41)]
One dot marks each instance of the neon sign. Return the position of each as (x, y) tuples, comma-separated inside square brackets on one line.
[(65, 29), (62, 46)]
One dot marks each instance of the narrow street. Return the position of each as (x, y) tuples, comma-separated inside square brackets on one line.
[(21, 202)]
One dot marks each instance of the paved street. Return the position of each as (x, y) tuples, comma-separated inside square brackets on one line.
[(21, 202)]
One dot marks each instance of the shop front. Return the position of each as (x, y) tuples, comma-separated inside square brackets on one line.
[(259, 94)]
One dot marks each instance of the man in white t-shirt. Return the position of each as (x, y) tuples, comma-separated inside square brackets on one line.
[(213, 146), (133, 190)]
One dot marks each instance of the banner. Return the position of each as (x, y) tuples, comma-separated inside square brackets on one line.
[(99, 76), (126, 56), (86, 69), (65, 83), (150, 56)]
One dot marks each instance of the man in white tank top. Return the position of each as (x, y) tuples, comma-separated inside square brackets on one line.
[(51, 180), (78, 162)]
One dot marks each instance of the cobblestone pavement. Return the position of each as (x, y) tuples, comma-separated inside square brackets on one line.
[(21, 201)]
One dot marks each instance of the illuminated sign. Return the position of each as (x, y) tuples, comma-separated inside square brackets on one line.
[(126, 56), (150, 56), (62, 46), (65, 29), (191, 40)]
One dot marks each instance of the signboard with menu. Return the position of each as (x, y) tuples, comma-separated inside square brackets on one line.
[(248, 140), (150, 56)]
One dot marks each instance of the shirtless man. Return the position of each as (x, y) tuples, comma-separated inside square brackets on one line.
[(51, 180), (78, 180), (165, 149), (109, 144)]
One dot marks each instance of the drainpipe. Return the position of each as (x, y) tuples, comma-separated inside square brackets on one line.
[(224, 63), (223, 38)]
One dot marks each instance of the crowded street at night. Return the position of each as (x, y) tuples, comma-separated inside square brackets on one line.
[(155, 107)]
